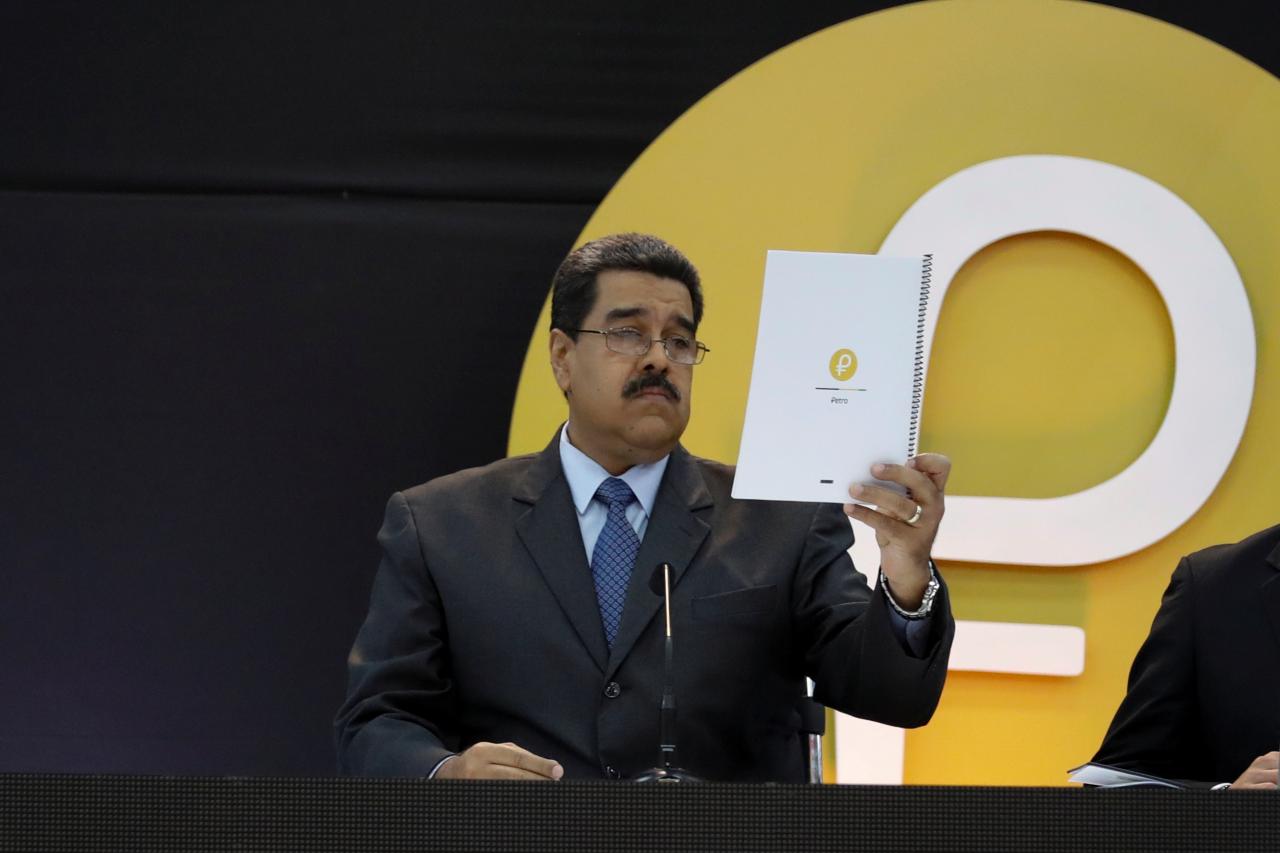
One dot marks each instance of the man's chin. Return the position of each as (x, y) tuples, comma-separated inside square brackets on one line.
[(657, 433)]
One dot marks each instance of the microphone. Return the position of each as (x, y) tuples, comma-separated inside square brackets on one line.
[(666, 771)]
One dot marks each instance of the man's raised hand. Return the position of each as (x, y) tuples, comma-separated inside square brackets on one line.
[(905, 525)]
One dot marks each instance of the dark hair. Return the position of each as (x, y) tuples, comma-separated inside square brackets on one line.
[(573, 291)]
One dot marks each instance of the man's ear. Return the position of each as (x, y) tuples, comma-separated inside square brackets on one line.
[(562, 347)]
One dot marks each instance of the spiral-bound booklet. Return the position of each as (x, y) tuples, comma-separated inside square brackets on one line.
[(838, 375)]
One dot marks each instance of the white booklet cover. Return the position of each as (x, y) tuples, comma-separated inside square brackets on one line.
[(838, 374)]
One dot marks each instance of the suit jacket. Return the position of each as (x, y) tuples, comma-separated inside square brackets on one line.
[(1204, 691), (483, 625)]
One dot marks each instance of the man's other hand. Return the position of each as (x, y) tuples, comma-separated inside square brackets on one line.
[(1261, 774), (499, 761)]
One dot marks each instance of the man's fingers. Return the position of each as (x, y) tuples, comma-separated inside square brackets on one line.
[(921, 508), (1268, 761), (1261, 774), (884, 525), (918, 484), (1264, 770), (933, 465), (486, 752), (519, 774), (888, 502), (519, 757), (902, 475), (502, 761)]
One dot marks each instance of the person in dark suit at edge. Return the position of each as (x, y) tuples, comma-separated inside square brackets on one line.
[(512, 632), (1203, 703)]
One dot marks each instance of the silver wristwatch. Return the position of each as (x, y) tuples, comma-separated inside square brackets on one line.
[(926, 602)]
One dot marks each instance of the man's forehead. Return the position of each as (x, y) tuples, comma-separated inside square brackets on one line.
[(639, 292)]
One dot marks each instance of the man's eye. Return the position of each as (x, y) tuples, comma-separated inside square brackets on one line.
[(679, 344), (627, 334)]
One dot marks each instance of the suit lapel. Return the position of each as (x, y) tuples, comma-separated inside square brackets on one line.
[(548, 525), (674, 535), (1271, 595)]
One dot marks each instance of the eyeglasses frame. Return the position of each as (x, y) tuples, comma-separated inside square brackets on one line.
[(698, 346)]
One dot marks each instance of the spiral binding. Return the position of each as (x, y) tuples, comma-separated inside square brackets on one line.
[(917, 382)]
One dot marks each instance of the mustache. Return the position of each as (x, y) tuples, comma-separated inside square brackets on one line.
[(650, 380)]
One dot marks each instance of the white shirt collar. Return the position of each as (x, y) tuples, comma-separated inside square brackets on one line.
[(585, 475)]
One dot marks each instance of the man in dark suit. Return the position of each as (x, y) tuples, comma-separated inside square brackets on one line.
[(512, 631), (1204, 693)]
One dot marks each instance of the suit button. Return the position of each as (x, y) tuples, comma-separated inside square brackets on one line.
[(613, 774), (613, 690)]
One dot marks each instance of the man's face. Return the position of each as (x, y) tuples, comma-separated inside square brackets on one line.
[(625, 409)]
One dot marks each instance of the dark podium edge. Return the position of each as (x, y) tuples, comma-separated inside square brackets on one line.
[(40, 812)]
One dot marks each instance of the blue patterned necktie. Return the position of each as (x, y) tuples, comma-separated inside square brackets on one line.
[(614, 555)]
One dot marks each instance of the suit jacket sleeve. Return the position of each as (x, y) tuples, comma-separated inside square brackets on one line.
[(857, 662), (1157, 727), (398, 715)]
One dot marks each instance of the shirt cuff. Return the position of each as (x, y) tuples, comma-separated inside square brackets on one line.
[(441, 763)]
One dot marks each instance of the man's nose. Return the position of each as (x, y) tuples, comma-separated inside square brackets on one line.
[(656, 358)]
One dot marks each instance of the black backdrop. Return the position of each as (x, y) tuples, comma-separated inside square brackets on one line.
[(261, 265)]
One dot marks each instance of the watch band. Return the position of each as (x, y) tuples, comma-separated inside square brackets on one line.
[(926, 601)]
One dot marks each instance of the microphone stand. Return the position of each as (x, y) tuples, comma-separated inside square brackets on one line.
[(666, 771)]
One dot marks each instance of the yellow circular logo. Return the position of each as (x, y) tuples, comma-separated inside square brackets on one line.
[(843, 364)]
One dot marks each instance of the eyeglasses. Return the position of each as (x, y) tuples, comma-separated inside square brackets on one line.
[(628, 341)]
